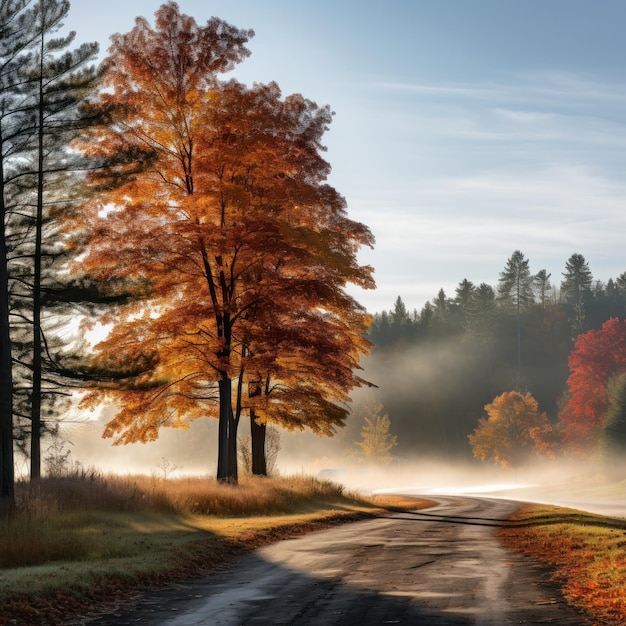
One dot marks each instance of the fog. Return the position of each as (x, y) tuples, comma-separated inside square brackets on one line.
[(587, 485), (434, 398), (584, 485)]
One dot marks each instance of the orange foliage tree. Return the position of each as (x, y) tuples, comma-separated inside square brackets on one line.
[(513, 430), (598, 356), (215, 197)]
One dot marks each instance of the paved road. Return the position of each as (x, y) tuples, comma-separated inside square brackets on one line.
[(442, 565)]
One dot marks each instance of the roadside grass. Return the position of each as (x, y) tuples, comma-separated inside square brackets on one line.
[(586, 552), (89, 540)]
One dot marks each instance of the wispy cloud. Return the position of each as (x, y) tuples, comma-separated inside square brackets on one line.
[(524, 117), (466, 227), (515, 87)]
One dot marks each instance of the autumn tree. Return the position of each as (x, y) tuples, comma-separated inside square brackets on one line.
[(511, 431), (306, 364), (159, 87), (598, 356), (230, 220), (376, 441)]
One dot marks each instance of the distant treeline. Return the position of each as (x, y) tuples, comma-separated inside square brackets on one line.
[(437, 368)]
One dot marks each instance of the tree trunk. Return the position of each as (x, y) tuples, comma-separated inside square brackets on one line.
[(7, 471), (257, 436), (233, 422), (35, 436), (225, 389)]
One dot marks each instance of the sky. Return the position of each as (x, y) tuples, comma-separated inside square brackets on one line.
[(463, 130)]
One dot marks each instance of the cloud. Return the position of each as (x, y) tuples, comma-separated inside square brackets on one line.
[(467, 227), (536, 87), (524, 116)]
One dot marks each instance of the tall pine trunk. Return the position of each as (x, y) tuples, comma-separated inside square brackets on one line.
[(35, 437), (7, 471)]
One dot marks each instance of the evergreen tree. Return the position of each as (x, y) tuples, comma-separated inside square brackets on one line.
[(16, 40), (515, 288), (399, 315), (463, 298), (576, 289), (577, 279), (58, 83), (541, 283), (515, 285), (426, 317), (481, 316), (482, 312), (620, 283)]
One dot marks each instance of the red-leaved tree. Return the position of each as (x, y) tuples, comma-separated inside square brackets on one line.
[(598, 356)]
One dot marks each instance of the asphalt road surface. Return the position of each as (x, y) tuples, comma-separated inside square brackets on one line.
[(441, 565)]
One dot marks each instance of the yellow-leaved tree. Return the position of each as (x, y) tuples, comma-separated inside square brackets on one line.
[(376, 441), (513, 430)]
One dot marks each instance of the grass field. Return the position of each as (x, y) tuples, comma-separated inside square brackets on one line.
[(586, 552), (89, 540)]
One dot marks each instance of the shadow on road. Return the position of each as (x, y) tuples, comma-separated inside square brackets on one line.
[(292, 598), (366, 575)]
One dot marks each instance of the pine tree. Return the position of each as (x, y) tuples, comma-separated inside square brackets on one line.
[(16, 41), (576, 289), (541, 282), (58, 83), (463, 298), (515, 288)]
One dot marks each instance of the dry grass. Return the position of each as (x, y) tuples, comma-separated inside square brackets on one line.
[(85, 539), (587, 553), (69, 518)]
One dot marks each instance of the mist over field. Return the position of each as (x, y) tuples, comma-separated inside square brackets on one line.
[(586, 485), (434, 395)]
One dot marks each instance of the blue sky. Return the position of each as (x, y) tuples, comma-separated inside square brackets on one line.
[(464, 129)]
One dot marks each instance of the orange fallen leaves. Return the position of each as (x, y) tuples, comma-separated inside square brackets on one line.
[(586, 553)]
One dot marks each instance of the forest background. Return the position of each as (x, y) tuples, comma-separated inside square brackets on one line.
[(437, 368)]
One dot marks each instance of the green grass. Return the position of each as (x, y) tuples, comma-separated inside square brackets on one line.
[(86, 539)]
